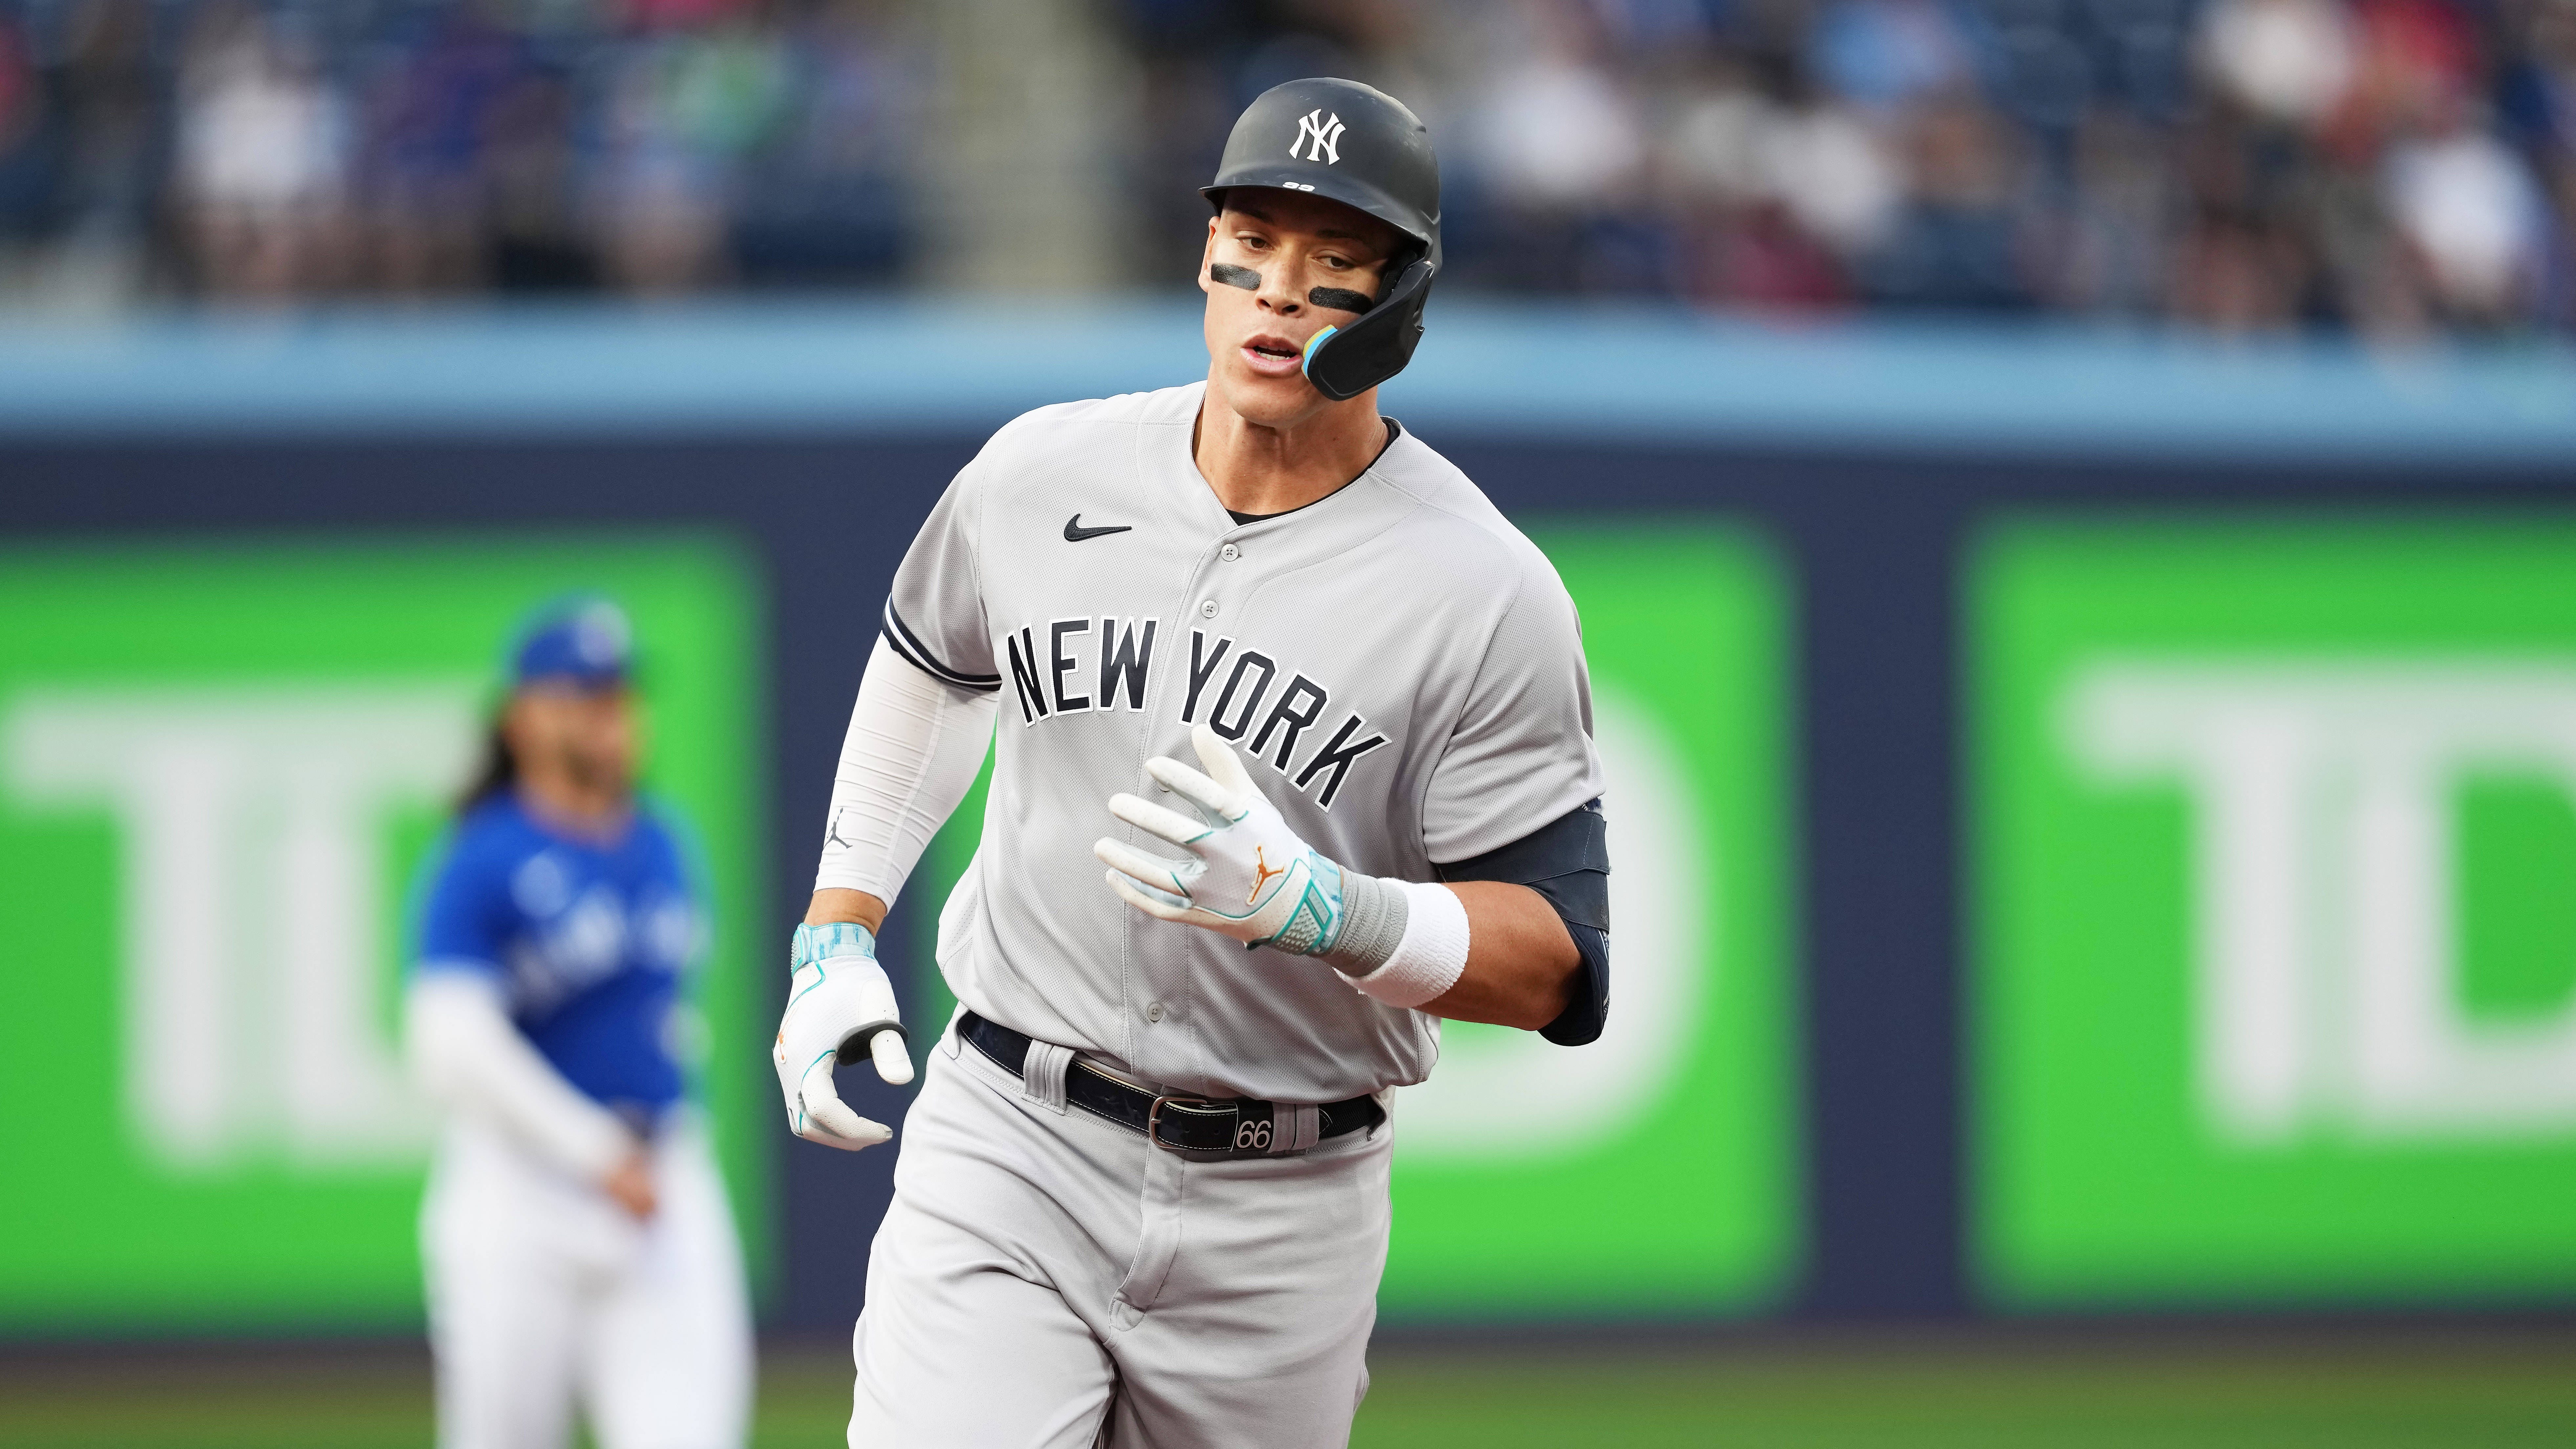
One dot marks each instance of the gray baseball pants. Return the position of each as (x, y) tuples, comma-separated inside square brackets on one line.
[(1047, 1280)]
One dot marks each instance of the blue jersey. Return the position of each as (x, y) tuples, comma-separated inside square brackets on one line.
[(587, 939)]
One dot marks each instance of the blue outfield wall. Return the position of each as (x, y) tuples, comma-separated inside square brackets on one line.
[(817, 434)]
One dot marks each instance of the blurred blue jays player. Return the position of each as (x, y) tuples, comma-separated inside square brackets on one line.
[(576, 1235)]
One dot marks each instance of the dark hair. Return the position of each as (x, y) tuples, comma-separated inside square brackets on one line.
[(498, 772)]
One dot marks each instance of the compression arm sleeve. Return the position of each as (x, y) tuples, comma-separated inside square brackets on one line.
[(469, 1058), (911, 753)]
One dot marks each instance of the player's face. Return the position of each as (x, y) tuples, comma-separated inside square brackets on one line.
[(590, 737), (1280, 268)]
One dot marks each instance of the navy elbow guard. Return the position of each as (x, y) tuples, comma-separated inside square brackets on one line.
[(1568, 864)]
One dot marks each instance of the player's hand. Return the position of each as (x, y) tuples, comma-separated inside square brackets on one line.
[(840, 1007), (630, 1184), (1247, 875)]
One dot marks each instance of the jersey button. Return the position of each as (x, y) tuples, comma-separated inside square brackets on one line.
[(1207, 608), (1153, 1011), (1229, 553)]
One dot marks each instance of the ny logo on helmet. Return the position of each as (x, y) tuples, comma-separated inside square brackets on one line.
[(1325, 135)]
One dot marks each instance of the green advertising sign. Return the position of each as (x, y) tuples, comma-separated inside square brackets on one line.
[(2275, 952), (221, 773), (1654, 1170)]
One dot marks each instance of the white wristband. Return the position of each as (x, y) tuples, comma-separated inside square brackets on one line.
[(1432, 955)]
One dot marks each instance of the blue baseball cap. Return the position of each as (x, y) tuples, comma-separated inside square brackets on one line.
[(584, 640)]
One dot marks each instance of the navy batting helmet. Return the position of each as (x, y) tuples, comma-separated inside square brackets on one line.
[(1359, 146)]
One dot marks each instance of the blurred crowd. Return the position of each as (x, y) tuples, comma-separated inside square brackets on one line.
[(232, 148), (2389, 166)]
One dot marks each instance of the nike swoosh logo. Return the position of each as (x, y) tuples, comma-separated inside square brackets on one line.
[(1074, 532)]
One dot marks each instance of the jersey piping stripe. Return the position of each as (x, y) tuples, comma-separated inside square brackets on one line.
[(911, 649)]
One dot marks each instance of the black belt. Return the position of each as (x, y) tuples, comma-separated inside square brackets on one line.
[(1203, 1129)]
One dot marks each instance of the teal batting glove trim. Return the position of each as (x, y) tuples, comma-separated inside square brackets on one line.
[(1315, 922), (821, 943), (1312, 924)]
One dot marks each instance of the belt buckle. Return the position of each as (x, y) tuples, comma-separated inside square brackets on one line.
[(1154, 1127)]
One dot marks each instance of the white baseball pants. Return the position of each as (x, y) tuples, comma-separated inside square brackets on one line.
[(1046, 1280), (544, 1293)]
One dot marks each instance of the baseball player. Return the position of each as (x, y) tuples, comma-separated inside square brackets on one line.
[(1322, 715), (576, 1236)]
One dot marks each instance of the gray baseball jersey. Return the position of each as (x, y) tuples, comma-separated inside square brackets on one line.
[(1402, 666)]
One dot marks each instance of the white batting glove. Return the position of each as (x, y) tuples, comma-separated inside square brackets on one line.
[(840, 1007), (1248, 875)]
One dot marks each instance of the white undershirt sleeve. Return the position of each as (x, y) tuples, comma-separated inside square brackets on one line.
[(911, 754), (469, 1058)]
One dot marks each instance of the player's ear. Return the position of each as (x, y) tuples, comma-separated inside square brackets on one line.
[(512, 722), (1207, 254)]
